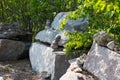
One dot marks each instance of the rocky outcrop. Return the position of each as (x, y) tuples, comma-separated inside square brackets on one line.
[(103, 63), (44, 59), (58, 19), (102, 38), (13, 31), (50, 57), (100, 63), (76, 72), (14, 41), (10, 50), (48, 35), (80, 24)]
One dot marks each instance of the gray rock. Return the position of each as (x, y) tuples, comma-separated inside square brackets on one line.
[(43, 58), (75, 72), (14, 31), (49, 35), (111, 45), (54, 44), (63, 39), (10, 49), (58, 19), (77, 25), (102, 38), (46, 36), (103, 63), (45, 75), (77, 76), (74, 65)]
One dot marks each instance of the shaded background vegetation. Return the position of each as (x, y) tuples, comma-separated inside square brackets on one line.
[(102, 14), (32, 15)]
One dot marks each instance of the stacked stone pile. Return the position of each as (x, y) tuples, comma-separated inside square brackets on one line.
[(14, 42), (47, 55)]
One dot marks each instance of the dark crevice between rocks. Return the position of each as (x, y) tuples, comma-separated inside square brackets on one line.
[(60, 48)]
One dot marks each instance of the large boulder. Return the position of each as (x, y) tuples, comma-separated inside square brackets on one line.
[(44, 59), (80, 24), (48, 35), (14, 31), (58, 19), (103, 63), (76, 72), (10, 49)]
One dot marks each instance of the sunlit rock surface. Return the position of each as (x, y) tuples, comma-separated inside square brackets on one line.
[(103, 63), (43, 58)]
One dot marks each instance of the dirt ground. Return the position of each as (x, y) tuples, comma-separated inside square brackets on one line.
[(17, 70)]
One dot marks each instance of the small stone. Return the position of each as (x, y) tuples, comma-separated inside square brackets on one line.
[(111, 45), (78, 70), (54, 45), (102, 38), (45, 75)]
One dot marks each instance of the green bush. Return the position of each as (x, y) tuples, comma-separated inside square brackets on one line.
[(79, 42), (32, 14), (103, 15)]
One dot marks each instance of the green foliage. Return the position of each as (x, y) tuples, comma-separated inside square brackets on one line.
[(32, 14), (103, 15), (79, 41)]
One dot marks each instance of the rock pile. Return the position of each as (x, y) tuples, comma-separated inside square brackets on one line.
[(48, 55), (76, 71), (101, 62), (14, 42)]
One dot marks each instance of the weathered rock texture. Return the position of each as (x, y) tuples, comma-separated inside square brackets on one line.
[(76, 72), (102, 38), (50, 58), (48, 35), (10, 50), (43, 58), (80, 24), (15, 42), (13, 31), (58, 19), (103, 63)]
